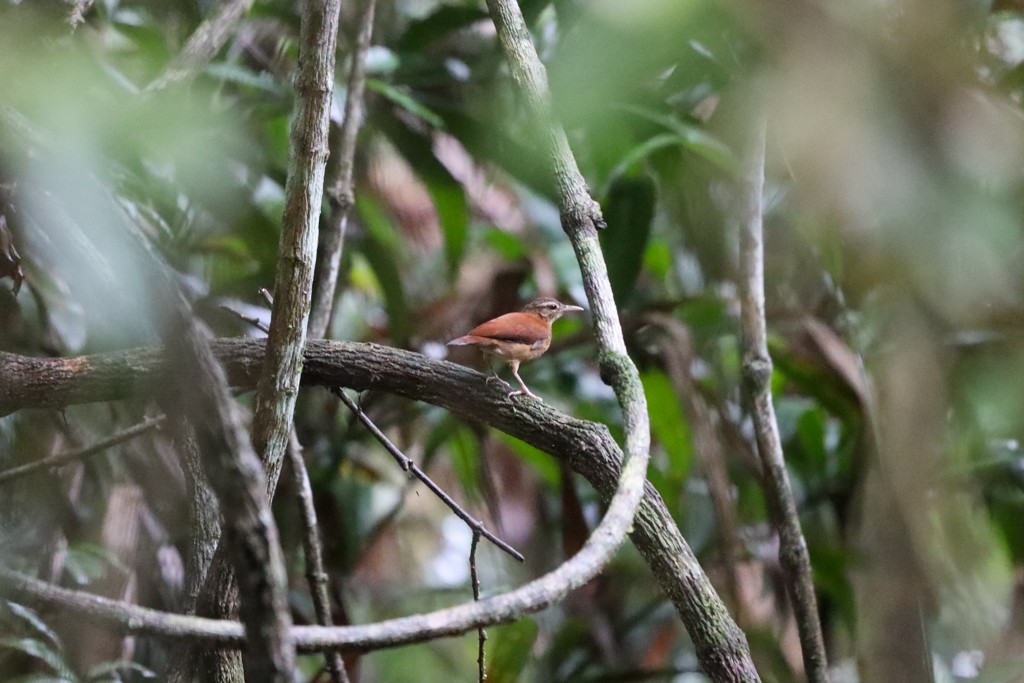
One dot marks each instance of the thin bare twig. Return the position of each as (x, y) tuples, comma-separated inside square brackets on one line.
[(757, 375), (407, 464), (255, 322), (481, 632), (332, 238), (60, 459), (315, 573)]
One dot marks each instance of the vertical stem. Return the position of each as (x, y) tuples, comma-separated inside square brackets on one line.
[(315, 573), (279, 382), (757, 374), (481, 632), (332, 239)]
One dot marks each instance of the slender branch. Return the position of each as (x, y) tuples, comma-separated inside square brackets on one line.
[(255, 322), (757, 374), (315, 573), (203, 45), (587, 448), (407, 464), (342, 196), (60, 459), (481, 633)]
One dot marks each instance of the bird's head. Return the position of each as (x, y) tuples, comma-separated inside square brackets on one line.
[(549, 309)]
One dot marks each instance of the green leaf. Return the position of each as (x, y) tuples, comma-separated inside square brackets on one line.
[(510, 246), (692, 137), (110, 671), (626, 165), (447, 18), (453, 212), (29, 615), (810, 430), (510, 650), (41, 651), (382, 250), (668, 422), (542, 463), (628, 211), (405, 101), (86, 562)]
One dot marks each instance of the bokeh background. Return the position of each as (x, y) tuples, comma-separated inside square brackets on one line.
[(895, 170)]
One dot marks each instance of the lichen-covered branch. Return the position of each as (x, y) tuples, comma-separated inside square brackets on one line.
[(581, 219)]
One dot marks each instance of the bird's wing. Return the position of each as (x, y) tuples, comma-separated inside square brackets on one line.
[(516, 328)]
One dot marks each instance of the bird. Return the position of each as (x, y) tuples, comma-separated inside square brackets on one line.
[(517, 337)]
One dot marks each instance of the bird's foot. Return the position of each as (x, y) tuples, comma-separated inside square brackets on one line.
[(495, 378), (526, 392)]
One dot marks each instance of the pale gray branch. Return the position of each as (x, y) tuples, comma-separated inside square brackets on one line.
[(315, 573), (757, 375)]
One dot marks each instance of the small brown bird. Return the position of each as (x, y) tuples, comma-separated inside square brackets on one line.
[(517, 337)]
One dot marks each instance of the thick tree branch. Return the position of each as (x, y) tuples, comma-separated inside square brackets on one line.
[(586, 447), (757, 375), (279, 382)]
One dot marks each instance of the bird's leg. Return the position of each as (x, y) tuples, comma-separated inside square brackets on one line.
[(525, 391), (493, 377)]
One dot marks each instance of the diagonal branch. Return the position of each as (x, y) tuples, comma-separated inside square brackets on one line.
[(587, 448), (757, 375), (60, 459), (203, 45), (407, 464)]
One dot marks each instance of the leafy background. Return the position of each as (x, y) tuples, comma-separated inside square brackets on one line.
[(894, 194)]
